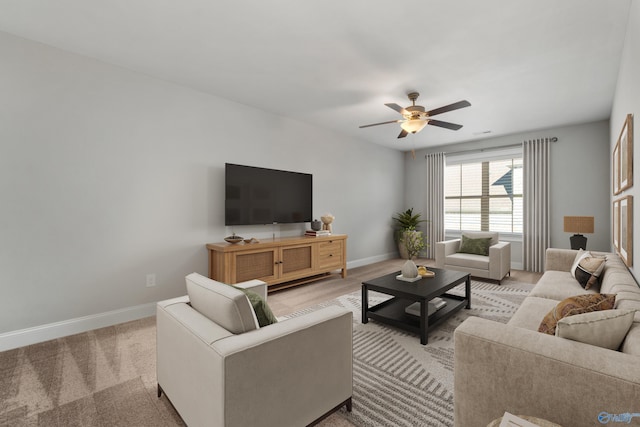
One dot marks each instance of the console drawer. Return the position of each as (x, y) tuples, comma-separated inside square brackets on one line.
[(330, 254)]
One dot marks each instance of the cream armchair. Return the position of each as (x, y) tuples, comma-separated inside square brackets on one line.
[(496, 265), (232, 372)]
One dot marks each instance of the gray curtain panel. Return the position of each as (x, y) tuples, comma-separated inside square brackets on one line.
[(536, 203), (434, 209)]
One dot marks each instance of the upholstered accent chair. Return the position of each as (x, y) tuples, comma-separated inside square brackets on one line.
[(479, 253), (218, 367)]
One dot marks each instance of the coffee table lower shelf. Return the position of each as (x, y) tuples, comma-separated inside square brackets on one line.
[(392, 313)]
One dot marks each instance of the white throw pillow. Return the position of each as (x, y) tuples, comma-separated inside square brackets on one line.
[(223, 304), (606, 328)]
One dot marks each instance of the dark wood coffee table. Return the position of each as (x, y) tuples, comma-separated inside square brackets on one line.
[(392, 311)]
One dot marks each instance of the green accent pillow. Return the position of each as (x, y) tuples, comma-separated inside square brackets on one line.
[(263, 312), (478, 246)]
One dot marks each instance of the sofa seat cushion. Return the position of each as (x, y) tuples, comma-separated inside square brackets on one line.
[(223, 304), (559, 285), (479, 262), (531, 312)]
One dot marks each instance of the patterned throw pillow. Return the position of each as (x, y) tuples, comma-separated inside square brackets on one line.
[(589, 270), (575, 305), (478, 246)]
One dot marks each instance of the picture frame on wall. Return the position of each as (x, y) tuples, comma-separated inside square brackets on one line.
[(624, 219), (623, 158), (616, 169), (616, 225)]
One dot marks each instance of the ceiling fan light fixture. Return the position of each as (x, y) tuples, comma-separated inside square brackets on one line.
[(413, 125)]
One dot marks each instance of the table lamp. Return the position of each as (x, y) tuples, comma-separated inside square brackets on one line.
[(578, 225)]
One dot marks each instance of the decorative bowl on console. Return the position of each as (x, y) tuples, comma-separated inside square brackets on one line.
[(233, 238)]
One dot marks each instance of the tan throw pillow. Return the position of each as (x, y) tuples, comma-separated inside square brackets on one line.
[(575, 305), (606, 329)]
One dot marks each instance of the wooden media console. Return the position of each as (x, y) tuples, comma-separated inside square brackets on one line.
[(281, 263)]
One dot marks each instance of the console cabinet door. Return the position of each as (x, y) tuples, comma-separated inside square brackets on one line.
[(296, 261), (258, 264)]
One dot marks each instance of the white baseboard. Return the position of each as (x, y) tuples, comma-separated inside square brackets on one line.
[(22, 337), (366, 261)]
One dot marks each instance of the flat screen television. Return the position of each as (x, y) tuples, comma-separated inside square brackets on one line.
[(260, 196)]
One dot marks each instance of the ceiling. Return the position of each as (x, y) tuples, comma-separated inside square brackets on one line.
[(523, 65)]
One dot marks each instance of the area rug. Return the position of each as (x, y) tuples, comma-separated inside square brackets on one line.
[(397, 381)]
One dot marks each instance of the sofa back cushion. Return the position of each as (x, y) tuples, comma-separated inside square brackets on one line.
[(616, 279), (222, 304)]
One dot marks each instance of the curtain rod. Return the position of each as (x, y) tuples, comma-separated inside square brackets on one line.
[(482, 150)]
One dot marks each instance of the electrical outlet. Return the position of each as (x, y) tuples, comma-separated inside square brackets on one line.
[(151, 280)]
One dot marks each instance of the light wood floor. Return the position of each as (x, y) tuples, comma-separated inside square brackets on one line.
[(289, 300)]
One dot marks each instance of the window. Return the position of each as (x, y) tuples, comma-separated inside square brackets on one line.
[(484, 194)]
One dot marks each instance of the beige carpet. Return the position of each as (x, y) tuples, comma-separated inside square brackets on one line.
[(107, 377), (104, 377)]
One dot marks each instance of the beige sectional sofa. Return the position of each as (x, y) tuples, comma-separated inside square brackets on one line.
[(517, 369)]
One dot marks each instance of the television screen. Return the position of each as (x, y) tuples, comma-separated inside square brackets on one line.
[(265, 196)]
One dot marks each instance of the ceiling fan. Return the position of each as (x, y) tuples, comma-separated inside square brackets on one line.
[(415, 118)]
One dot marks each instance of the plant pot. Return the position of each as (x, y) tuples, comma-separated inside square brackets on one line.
[(402, 249)]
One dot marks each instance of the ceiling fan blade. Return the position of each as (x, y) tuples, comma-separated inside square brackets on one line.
[(382, 123), (396, 107), (442, 124), (450, 107), (403, 134)]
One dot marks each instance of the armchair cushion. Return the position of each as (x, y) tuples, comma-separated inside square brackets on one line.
[(223, 304)]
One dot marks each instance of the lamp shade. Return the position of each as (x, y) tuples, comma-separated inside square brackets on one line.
[(578, 224), (413, 125)]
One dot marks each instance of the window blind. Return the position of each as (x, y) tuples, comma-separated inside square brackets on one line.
[(484, 192)]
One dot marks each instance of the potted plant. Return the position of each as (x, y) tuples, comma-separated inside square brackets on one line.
[(413, 242), (406, 223)]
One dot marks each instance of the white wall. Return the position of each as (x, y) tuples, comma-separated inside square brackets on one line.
[(627, 101), (107, 175), (579, 174)]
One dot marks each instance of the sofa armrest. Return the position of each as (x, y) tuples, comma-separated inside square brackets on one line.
[(255, 285), (445, 248), (559, 259), (502, 368), (499, 260)]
